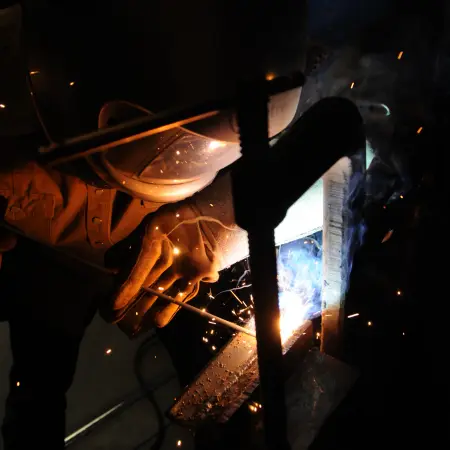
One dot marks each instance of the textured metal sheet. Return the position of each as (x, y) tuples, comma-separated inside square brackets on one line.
[(228, 380)]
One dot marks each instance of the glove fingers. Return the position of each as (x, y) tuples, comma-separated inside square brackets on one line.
[(166, 282), (163, 316), (146, 261), (164, 262)]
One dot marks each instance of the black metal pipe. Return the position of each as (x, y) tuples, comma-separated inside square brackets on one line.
[(250, 201), (267, 319)]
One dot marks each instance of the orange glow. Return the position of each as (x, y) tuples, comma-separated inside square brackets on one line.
[(270, 76), (399, 56)]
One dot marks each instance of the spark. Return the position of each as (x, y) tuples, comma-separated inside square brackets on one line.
[(72, 83), (369, 323), (176, 251), (253, 408), (212, 206), (205, 339), (178, 152), (352, 85), (179, 443), (352, 315), (137, 313), (214, 347), (162, 171), (212, 331), (212, 323), (156, 228), (401, 196), (34, 72), (387, 236), (177, 215), (160, 288), (399, 56), (318, 335), (18, 384), (203, 309), (210, 295), (108, 351), (399, 292), (2, 106), (181, 294), (419, 130)]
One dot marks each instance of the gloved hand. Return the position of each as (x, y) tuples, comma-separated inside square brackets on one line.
[(176, 248)]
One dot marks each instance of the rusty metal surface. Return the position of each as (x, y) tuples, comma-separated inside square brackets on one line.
[(228, 380)]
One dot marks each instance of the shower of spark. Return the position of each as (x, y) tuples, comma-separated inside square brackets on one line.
[(299, 280)]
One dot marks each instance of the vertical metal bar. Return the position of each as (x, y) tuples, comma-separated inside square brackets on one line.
[(267, 318), (335, 184), (250, 200), (340, 235)]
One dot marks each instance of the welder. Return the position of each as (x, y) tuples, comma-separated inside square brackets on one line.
[(65, 72)]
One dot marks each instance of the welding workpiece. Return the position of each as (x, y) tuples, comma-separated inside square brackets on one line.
[(265, 184)]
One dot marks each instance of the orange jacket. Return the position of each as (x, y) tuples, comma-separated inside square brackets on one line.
[(65, 212)]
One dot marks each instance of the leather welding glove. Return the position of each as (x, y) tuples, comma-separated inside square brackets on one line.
[(176, 248)]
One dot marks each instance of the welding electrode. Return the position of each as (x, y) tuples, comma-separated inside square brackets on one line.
[(201, 312)]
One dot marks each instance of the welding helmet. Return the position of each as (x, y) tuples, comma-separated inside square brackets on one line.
[(100, 63)]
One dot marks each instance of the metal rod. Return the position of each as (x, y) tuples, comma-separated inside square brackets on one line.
[(105, 139), (108, 138), (200, 312)]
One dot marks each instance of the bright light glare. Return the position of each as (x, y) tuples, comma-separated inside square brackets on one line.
[(292, 314), (216, 144)]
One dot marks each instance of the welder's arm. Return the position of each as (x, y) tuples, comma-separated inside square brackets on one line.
[(178, 247)]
